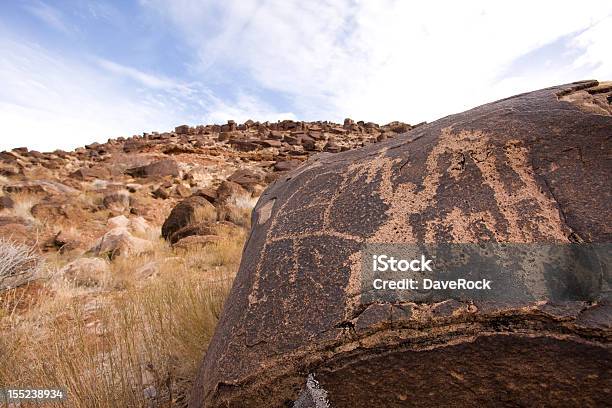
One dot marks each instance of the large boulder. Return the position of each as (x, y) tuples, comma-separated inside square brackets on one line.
[(190, 211), (533, 168)]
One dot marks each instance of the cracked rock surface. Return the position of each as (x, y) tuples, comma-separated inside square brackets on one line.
[(531, 168)]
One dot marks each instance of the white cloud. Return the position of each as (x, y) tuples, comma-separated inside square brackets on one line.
[(144, 78), (49, 102), (377, 60), (390, 60), (244, 107)]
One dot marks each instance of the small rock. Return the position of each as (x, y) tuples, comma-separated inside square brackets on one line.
[(6, 202), (86, 272), (161, 192)]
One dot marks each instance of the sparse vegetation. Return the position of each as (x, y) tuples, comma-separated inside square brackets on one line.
[(19, 263), (135, 342)]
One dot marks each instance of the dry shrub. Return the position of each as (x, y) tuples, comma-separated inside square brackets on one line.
[(204, 213), (19, 263), (134, 347), (109, 354)]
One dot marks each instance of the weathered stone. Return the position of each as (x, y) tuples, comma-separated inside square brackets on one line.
[(86, 272), (161, 168), (286, 165), (208, 193), (6, 202), (206, 228), (246, 178), (89, 173), (531, 168), (181, 130), (66, 241), (331, 147), (182, 191), (161, 192), (244, 145), (227, 190), (307, 142), (40, 186), (271, 143), (120, 242), (192, 210)]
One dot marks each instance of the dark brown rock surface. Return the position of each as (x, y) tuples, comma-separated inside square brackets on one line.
[(531, 168), (189, 211)]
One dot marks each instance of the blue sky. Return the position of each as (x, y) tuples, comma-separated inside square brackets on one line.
[(74, 72)]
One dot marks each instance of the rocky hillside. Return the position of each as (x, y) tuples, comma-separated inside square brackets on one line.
[(63, 200)]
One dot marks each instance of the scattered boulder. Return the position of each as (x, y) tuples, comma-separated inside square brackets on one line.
[(286, 165), (86, 272), (120, 221), (246, 178), (90, 173), (308, 143), (58, 208), (192, 210), (39, 187), (207, 193), (65, 241), (331, 147), (8, 170), (161, 193), (181, 130), (120, 242), (204, 228), (244, 145), (182, 191), (228, 190), (161, 168), (271, 143), (6, 202)]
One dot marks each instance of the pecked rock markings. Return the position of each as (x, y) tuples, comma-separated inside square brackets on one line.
[(531, 168)]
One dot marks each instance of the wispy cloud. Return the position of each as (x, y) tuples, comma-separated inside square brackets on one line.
[(156, 64), (147, 79), (48, 15), (388, 60), (48, 101)]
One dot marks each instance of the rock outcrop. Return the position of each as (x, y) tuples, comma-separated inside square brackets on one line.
[(533, 168)]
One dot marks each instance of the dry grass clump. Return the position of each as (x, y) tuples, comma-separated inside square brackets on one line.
[(19, 263), (134, 343)]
